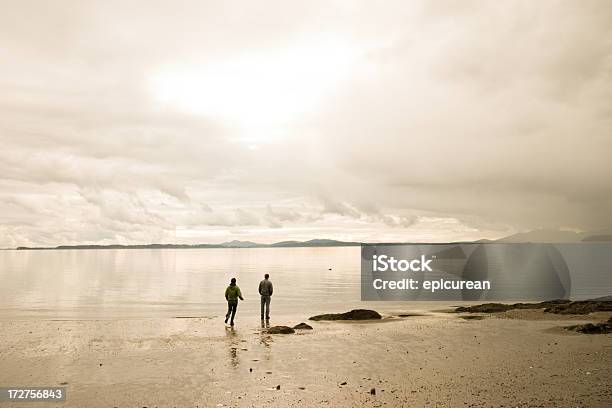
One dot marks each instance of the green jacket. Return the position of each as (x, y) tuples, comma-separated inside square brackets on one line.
[(233, 293)]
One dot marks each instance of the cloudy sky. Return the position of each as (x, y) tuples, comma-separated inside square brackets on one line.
[(178, 121)]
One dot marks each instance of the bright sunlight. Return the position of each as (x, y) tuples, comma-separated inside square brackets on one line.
[(258, 93)]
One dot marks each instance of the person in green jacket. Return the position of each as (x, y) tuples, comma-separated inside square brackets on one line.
[(232, 294)]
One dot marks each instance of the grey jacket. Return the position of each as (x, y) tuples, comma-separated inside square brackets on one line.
[(265, 288)]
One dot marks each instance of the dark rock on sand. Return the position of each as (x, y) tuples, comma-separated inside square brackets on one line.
[(357, 314), (501, 307), (472, 317), (582, 307), (302, 326), (552, 306), (590, 328), (280, 330), (484, 308)]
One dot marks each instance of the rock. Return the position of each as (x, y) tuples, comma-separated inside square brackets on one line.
[(343, 383), (302, 326), (484, 308), (357, 314), (250, 370), (590, 328), (583, 307), (278, 387), (373, 391), (562, 306), (280, 330)]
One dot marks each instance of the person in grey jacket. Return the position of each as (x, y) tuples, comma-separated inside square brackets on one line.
[(265, 290)]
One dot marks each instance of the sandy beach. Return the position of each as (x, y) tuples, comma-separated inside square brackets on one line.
[(370, 172), (436, 358)]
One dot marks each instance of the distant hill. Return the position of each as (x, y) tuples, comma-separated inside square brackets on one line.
[(550, 236), (230, 244), (557, 236), (285, 244), (315, 243), (598, 238), (536, 236), (116, 246), (240, 244)]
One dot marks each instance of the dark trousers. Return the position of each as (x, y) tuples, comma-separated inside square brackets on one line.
[(265, 303), (232, 305)]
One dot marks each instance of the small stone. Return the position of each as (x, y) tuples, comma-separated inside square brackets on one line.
[(278, 387), (280, 330), (373, 391)]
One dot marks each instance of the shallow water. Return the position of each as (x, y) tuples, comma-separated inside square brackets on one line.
[(173, 282), (108, 284)]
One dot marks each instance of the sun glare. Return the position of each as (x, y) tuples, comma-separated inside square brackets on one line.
[(257, 93)]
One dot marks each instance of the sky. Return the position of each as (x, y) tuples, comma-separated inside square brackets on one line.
[(204, 122)]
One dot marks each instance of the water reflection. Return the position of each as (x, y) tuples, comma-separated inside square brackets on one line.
[(163, 282), (234, 339), (109, 283), (265, 339)]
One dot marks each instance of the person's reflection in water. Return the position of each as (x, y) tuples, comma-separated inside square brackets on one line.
[(265, 338), (234, 339)]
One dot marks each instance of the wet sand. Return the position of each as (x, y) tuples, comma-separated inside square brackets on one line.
[(517, 358)]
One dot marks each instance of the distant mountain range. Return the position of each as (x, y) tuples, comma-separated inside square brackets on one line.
[(558, 236), (231, 244), (536, 236)]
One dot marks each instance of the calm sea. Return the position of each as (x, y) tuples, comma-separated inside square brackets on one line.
[(174, 282), (134, 283)]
